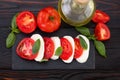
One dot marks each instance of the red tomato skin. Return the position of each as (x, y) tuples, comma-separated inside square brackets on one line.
[(78, 48), (48, 20), (102, 32), (67, 49), (49, 48), (100, 17), (24, 44), (26, 22)]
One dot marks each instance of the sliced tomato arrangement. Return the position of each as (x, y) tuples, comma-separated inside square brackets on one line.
[(49, 48), (67, 49), (102, 32), (78, 48), (100, 16), (26, 22), (24, 49), (48, 19), (71, 49)]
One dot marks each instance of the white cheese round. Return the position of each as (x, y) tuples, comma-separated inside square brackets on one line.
[(57, 44), (41, 50), (83, 58)]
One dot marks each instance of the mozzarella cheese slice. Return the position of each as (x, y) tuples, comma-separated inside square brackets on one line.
[(71, 40), (57, 44), (41, 50), (83, 58)]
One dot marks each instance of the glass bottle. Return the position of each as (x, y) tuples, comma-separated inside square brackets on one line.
[(76, 12)]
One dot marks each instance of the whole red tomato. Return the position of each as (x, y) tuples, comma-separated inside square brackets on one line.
[(102, 32), (26, 22), (48, 19), (100, 16), (24, 49)]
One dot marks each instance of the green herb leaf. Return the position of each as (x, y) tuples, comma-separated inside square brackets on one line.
[(36, 46), (16, 30), (10, 40), (58, 51), (13, 23), (100, 48), (83, 30), (91, 37), (83, 42), (44, 60)]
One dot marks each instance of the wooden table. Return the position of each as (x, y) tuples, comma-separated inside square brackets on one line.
[(106, 69)]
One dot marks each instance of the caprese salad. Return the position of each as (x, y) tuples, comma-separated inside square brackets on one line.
[(67, 48)]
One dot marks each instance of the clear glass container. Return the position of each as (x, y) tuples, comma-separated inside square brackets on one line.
[(76, 12)]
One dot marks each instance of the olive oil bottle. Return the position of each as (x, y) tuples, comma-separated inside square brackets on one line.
[(76, 12)]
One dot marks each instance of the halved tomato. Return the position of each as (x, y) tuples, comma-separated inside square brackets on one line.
[(102, 32), (78, 48), (49, 48), (24, 49), (100, 16), (26, 22), (67, 49)]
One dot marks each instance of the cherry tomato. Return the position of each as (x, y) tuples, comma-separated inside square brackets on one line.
[(78, 48), (26, 22), (100, 16), (67, 49), (49, 48), (48, 19), (102, 32), (24, 49)]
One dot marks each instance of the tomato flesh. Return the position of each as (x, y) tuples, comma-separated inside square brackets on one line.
[(49, 48), (67, 49), (100, 16), (78, 48), (102, 32), (48, 19), (24, 49), (26, 22)]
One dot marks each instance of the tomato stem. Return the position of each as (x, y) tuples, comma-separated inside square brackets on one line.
[(91, 37), (51, 18)]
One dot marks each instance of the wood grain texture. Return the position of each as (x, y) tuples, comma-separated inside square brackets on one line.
[(60, 75), (106, 69)]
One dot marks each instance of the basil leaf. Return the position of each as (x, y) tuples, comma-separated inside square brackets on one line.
[(10, 40), (100, 48), (16, 30), (44, 60), (91, 37), (13, 23), (58, 51), (83, 42), (36, 46), (83, 30)]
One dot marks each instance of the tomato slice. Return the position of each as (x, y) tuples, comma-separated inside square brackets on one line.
[(78, 48), (67, 49), (24, 49), (49, 48), (26, 22), (48, 19), (102, 32), (100, 16)]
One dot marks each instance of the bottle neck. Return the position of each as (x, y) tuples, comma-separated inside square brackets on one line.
[(79, 6)]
